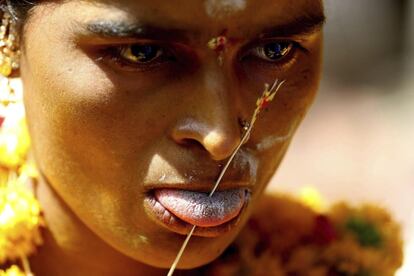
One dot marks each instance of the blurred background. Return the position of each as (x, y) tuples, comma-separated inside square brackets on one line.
[(357, 142)]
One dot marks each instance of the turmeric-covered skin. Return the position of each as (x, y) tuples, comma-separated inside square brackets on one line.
[(125, 97)]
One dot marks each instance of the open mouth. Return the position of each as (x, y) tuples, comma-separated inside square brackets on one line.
[(178, 210)]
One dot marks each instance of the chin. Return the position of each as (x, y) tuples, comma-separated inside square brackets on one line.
[(161, 248), (196, 254), (195, 261)]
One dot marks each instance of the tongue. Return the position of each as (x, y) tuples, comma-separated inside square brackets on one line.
[(199, 209)]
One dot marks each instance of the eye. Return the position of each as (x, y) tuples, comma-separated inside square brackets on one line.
[(140, 53), (273, 51)]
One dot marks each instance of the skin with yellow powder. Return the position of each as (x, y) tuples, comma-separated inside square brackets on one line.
[(125, 99)]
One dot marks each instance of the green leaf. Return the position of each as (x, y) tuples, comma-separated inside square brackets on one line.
[(365, 232)]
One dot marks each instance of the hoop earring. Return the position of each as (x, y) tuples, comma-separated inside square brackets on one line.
[(9, 56)]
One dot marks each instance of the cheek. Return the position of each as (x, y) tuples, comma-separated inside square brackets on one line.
[(70, 94), (301, 73), (279, 121), (83, 124), (277, 124)]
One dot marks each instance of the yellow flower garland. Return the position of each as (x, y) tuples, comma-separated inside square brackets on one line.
[(14, 270), (20, 213), (285, 237)]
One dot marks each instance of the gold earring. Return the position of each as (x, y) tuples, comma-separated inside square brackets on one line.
[(9, 55)]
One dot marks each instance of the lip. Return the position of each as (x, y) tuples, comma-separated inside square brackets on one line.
[(199, 186), (158, 213)]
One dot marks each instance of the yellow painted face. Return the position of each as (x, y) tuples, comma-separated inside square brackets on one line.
[(125, 99)]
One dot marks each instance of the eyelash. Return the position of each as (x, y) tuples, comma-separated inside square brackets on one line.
[(252, 53), (115, 55)]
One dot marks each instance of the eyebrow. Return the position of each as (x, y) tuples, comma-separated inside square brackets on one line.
[(303, 25), (112, 29)]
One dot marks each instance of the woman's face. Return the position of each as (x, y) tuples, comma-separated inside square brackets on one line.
[(125, 100)]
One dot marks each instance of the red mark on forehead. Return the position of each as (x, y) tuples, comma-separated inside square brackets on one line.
[(219, 43)]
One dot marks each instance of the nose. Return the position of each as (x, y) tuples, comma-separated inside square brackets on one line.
[(211, 119)]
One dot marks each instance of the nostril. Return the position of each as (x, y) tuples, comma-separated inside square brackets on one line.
[(218, 147), (190, 143)]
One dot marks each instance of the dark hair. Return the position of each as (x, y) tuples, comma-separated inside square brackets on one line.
[(19, 9)]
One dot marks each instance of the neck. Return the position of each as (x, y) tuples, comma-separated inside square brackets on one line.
[(70, 248)]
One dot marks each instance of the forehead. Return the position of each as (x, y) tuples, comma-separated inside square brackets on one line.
[(218, 8), (199, 14)]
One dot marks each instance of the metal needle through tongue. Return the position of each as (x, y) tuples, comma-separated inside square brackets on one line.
[(267, 96)]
